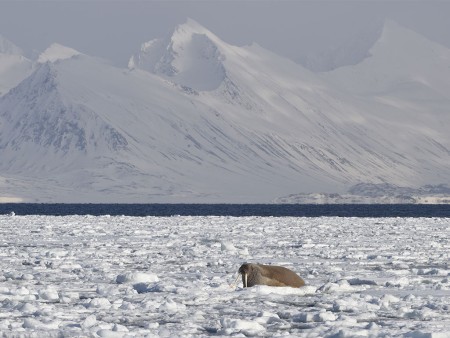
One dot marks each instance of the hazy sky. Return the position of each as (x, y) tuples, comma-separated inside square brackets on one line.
[(115, 29)]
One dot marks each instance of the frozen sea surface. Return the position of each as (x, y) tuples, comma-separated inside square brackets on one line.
[(86, 276)]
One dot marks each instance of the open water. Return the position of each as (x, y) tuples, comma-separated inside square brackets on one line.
[(276, 210)]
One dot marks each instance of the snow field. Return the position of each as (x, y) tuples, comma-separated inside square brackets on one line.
[(147, 276)]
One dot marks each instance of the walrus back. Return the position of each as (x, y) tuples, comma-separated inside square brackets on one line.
[(280, 276)]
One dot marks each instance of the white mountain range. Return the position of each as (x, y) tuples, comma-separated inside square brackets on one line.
[(194, 119)]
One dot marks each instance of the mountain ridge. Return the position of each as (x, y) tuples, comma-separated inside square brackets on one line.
[(8, 47), (257, 126), (14, 66)]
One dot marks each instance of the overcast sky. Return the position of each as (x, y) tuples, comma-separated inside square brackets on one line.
[(115, 29)]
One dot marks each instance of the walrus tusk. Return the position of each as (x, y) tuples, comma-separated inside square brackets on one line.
[(271, 275), (235, 282)]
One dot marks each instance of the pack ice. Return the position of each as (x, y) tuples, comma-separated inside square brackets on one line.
[(85, 276)]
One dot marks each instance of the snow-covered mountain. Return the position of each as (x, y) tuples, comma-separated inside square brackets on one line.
[(400, 62), (14, 67), (195, 119), (191, 57), (409, 76), (407, 80)]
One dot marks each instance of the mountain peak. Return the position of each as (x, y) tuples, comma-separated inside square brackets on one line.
[(57, 52), (400, 61), (14, 67), (190, 57), (7, 47), (391, 29), (183, 33), (397, 38), (192, 26)]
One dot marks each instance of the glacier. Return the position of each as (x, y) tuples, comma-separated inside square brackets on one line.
[(194, 119)]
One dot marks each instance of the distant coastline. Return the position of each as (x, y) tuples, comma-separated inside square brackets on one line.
[(324, 198), (369, 193)]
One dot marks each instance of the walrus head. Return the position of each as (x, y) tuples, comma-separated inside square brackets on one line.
[(247, 270), (272, 275)]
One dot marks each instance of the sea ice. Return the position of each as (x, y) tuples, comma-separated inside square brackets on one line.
[(122, 276)]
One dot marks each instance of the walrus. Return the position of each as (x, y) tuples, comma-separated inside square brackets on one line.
[(272, 275)]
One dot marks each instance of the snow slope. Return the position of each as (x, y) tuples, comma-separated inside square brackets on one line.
[(14, 67), (409, 76), (196, 119), (84, 276)]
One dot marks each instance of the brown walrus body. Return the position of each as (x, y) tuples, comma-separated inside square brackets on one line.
[(259, 274)]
